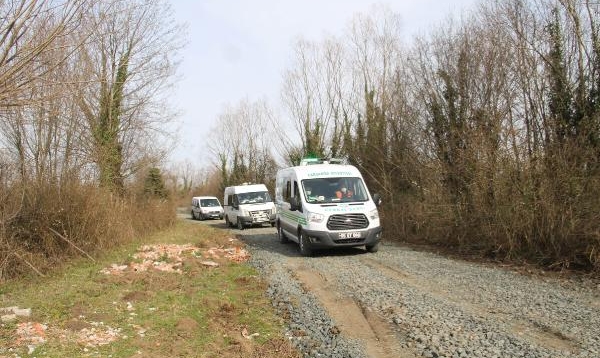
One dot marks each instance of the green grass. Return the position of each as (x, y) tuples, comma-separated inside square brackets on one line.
[(199, 313)]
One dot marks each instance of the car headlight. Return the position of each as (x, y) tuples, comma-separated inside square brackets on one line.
[(374, 214), (316, 218)]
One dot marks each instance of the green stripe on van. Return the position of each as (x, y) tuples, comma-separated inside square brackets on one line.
[(297, 218)]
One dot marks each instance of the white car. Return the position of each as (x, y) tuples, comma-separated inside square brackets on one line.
[(206, 207)]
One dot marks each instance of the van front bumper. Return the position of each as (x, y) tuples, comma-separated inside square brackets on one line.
[(256, 220), (328, 239)]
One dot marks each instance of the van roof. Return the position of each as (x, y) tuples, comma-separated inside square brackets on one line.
[(205, 197), (323, 171), (246, 188)]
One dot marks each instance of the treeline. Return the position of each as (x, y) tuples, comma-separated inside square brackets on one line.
[(81, 126), (483, 135)]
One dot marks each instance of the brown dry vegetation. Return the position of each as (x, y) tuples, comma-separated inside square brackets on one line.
[(42, 226)]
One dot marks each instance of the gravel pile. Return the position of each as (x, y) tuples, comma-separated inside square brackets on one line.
[(438, 307)]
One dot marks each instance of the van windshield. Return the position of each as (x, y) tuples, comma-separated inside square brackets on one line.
[(334, 190), (209, 203), (257, 197)]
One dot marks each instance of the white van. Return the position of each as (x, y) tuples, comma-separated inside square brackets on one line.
[(247, 205), (324, 205), (206, 207)]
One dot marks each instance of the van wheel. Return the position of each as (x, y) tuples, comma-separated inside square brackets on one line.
[(227, 222), (305, 249), (372, 248), (240, 224), (281, 236), (193, 216)]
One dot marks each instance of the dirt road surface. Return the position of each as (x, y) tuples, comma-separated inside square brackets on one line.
[(405, 303)]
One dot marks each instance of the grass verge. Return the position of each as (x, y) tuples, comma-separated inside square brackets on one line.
[(204, 303)]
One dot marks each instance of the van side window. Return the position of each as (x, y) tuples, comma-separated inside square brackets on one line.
[(288, 192), (297, 195)]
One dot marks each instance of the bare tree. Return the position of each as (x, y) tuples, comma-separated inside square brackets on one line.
[(241, 143), (124, 68), (28, 29)]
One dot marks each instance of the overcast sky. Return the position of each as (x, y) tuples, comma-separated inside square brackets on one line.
[(238, 49)]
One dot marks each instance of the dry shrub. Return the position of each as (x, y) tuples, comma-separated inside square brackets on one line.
[(149, 215), (548, 217), (45, 224)]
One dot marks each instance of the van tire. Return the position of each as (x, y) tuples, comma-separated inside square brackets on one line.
[(281, 236), (240, 224), (305, 249), (372, 248), (193, 216), (227, 222)]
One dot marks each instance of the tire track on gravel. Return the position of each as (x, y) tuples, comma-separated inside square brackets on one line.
[(528, 330), (353, 321)]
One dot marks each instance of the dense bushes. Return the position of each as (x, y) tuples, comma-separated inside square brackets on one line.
[(44, 225)]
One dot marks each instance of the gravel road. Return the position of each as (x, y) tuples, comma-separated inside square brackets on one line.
[(404, 303)]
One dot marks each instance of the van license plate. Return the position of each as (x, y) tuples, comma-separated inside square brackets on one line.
[(349, 235)]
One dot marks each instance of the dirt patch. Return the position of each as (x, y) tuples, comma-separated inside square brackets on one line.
[(376, 334), (137, 296), (76, 325), (187, 327)]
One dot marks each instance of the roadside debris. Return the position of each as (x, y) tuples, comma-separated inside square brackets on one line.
[(98, 335), (30, 333), (159, 257), (246, 335), (9, 314), (169, 258), (209, 263)]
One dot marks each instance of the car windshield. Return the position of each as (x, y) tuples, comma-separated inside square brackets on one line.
[(334, 190), (257, 197), (209, 202)]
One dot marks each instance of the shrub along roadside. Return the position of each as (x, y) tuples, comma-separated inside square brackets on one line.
[(43, 225), (204, 311)]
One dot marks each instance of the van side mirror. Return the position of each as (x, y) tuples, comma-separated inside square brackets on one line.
[(377, 199), (294, 204)]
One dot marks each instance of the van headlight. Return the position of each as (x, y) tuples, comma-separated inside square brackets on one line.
[(315, 218), (374, 214)]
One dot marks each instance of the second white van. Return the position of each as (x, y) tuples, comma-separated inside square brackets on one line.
[(248, 205)]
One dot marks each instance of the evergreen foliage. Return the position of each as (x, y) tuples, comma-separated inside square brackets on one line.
[(154, 185)]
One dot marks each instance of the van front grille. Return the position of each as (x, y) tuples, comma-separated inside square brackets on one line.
[(260, 215), (347, 222)]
